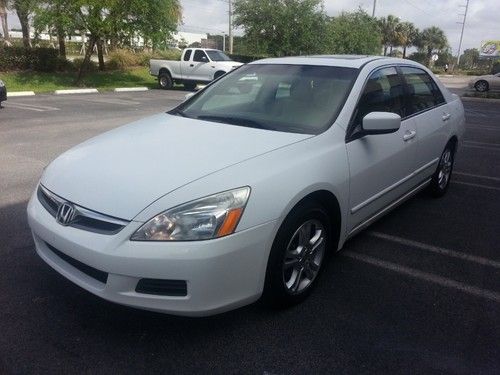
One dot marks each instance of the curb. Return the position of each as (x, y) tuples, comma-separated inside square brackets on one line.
[(130, 89), (13, 94), (76, 91)]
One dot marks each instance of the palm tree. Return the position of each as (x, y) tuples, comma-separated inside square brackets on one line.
[(432, 40), (407, 35), (388, 30)]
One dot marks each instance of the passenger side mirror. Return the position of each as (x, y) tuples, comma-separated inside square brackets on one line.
[(204, 59), (189, 95), (381, 123)]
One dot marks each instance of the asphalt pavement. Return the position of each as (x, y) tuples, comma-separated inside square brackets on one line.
[(418, 292)]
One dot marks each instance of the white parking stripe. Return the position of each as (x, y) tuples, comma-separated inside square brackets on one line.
[(18, 106), (481, 147), (476, 185), (488, 144), (476, 175), (436, 249), (429, 277), (31, 107)]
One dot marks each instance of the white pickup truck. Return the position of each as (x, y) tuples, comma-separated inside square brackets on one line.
[(197, 65)]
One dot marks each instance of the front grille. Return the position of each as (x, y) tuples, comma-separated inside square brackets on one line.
[(83, 219), (82, 267), (159, 287)]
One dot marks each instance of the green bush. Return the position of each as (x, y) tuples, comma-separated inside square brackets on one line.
[(169, 54), (245, 58), (92, 66), (495, 68), (20, 58), (122, 59)]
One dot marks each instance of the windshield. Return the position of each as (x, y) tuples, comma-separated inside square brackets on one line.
[(217, 55), (289, 98)]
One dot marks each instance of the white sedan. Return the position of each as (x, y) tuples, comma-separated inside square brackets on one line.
[(243, 190)]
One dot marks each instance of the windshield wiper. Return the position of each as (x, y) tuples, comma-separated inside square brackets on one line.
[(178, 112), (235, 121)]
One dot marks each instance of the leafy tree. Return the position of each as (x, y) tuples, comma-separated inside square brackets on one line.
[(388, 26), (282, 27), (354, 33), (24, 9), (469, 59), (432, 40), (407, 35)]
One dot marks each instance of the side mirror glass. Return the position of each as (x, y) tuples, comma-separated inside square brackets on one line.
[(189, 95), (381, 123)]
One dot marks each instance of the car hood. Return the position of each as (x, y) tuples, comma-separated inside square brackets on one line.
[(121, 172)]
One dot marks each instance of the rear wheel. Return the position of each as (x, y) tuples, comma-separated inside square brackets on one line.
[(481, 86), (165, 81), (441, 178), (298, 255)]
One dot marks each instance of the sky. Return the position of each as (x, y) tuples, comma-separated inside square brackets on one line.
[(483, 18)]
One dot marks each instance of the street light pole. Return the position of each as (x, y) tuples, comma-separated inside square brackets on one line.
[(230, 26), (374, 7), (462, 33)]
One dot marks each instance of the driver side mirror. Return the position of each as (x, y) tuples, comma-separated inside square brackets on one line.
[(381, 123), (204, 59)]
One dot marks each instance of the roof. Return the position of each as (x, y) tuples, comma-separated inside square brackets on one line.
[(348, 61)]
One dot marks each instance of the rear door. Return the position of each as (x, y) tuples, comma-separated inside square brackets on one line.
[(427, 106), (380, 165)]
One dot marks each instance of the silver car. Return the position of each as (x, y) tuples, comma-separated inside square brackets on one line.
[(485, 83)]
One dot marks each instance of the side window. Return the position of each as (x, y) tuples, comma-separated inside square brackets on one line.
[(383, 93), (423, 91), (187, 55), (200, 56)]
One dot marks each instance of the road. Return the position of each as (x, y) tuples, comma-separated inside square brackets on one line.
[(417, 292)]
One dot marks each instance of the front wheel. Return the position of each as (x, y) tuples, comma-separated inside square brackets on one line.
[(165, 81), (481, 86), (297, 255), (441, 178)]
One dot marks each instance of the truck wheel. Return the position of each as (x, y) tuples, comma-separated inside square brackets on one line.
[(165, 81), (190, 86)]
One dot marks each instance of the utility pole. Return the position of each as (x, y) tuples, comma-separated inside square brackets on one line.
[(374, 7), (462, 33), (230, 2)]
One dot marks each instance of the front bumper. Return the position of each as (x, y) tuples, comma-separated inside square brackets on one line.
[(220, 274)]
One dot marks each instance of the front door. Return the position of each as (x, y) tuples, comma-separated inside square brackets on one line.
[(380, 165)]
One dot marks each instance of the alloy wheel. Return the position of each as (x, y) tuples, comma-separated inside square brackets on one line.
[(445, 165), (304, 256)]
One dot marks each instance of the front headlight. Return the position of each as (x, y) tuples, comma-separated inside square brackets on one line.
[(203, 219)]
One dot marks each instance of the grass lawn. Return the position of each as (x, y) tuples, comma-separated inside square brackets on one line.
[(48, 82)]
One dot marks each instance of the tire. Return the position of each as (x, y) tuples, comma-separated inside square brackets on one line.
[(482, 86), (290, 276), (441, 178), (190, 86), (218, 74), (165, 81)]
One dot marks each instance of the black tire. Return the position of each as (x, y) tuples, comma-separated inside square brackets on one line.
[(441, 178), (218, 74), (482, 86), (165, 81), (277, 293), (190, 86)]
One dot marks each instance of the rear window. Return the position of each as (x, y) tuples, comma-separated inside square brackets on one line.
[(187, 55), (423, 91)]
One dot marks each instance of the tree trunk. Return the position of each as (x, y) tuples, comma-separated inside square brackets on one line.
[(385, 50), (86, 60), (25, 27), (5, 24), (62, 42), (404, 52), (100, 55)]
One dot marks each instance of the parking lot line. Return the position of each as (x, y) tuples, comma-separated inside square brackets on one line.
[(429, 277), (31, 107), (476, 175), (436, 249), (493, 148), (476, 185)]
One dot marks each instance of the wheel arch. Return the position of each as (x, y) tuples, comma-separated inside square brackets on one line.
[(164, 70), (218, 74)]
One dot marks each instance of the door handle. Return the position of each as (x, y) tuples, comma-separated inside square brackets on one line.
[(446, 116), (410, 134)]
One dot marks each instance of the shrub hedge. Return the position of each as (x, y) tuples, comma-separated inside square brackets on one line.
[(20, 58)]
